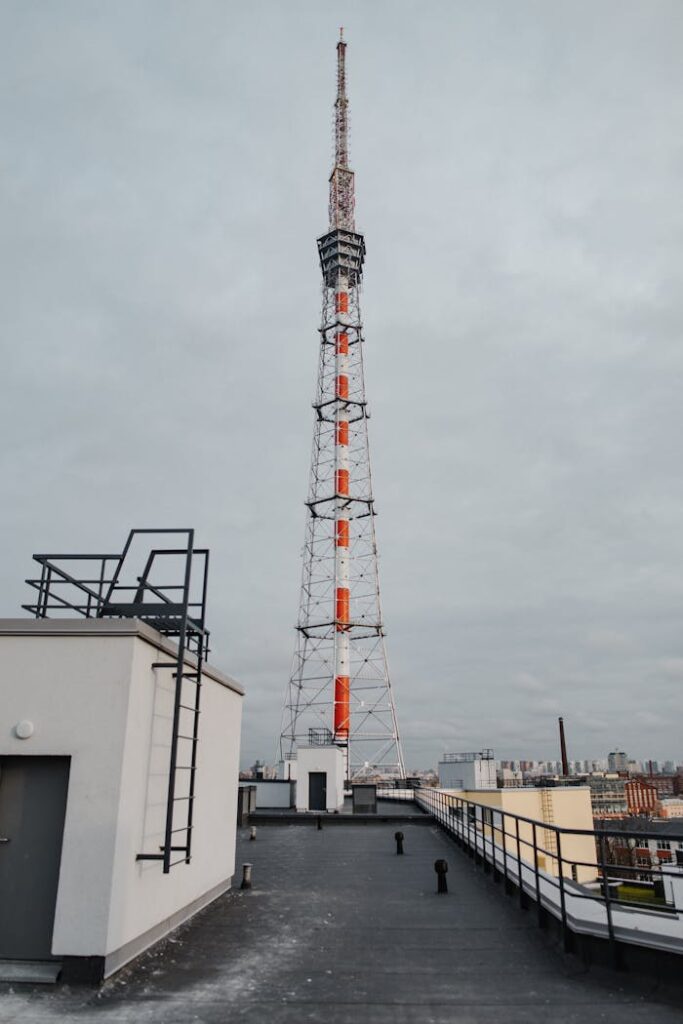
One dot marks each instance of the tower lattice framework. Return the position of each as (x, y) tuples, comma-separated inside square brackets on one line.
[(339, 691)]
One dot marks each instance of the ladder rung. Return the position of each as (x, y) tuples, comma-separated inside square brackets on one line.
[(177, 799), (185, 768), (188, 707), (182, 736), (164, 664), (185, 828)]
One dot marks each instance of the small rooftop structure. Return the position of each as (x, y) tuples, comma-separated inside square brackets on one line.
[(470, 770), (120, 757)]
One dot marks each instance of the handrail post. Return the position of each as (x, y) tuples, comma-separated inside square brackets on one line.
[(567, 936), (496, 872), (522, 894), (539, 907), (469, 828), (477, 855), (505, 854), (487, 862), (616, 957)]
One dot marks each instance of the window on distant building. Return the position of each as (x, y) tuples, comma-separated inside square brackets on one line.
[(663, 844)]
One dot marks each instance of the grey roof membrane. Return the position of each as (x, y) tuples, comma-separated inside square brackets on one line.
[(337, 928)]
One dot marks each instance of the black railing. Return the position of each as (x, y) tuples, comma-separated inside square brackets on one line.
[(552, 866), (400, 795)]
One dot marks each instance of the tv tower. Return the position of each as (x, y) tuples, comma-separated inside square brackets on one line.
[(339, 691)]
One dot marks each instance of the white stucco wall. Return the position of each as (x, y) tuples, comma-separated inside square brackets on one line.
[(92, 694), (272, 793), (320, 759), (479, 773)]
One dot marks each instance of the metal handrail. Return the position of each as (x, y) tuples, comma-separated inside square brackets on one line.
[(468, 821)]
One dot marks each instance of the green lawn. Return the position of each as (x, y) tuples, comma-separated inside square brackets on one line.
[(634, 894)]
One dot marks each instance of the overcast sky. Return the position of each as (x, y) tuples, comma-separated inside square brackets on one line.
[(164, 178)]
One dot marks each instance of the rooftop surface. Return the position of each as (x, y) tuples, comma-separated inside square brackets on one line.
[(338, 929)]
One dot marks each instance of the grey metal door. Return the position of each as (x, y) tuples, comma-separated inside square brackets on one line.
[(317, 791), (32, 806)]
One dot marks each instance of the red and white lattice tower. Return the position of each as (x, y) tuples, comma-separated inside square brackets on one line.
[(339, 691)]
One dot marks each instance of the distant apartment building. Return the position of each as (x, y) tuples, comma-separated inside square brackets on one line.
[(637, 851), (641, 797), (617, 761), (608, 796), (474, 770), (666, 785), (670, 808)]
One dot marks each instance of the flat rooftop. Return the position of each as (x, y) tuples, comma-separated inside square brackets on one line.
[(338, 929)]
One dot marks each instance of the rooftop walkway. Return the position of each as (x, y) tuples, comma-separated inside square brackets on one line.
[(338, 929)]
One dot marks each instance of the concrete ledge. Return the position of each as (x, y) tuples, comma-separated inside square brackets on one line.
[(109, 627), (310, 818)]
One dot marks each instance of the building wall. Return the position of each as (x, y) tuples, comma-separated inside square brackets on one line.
[(90, 690), (507, 778), (608, 796), (641, 798), (670, 808), (666, 785), (272, 793), (478, 773), (566, 807)]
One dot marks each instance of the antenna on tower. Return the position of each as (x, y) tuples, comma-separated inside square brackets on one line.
[(341, 179)]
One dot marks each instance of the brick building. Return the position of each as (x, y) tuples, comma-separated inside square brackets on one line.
[(641, 797)]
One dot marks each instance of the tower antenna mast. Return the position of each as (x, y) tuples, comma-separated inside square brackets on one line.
[(339, 691)]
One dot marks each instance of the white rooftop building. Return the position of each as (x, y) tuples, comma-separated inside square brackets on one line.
[(87, 713), (475, 770)]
